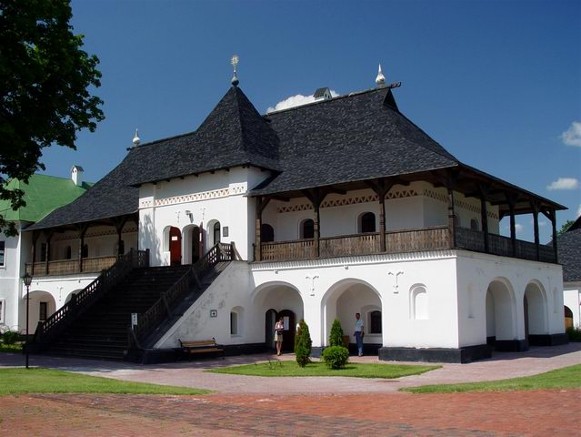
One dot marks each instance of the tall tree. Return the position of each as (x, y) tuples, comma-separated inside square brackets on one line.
[(45, 89)]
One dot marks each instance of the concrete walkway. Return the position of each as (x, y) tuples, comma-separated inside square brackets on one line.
[(193, 373)]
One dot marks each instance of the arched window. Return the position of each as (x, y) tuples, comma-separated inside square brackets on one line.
[(474, 225), (308, 229), (236, 320), (367, 222), (216, 232), (419, 303), (375, 322), (266, 233)]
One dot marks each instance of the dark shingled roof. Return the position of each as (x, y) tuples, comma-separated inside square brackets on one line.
[(350, 138), (345, 140), (569, 252)]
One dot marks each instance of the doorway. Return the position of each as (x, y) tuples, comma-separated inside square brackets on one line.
[(288, 336), (175, 246)]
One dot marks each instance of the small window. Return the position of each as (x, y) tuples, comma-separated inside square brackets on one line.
[(43, 311), (216, 232), (85, 251), (2, 252), (68, 252), (308, 229), (375, 322), (233, 323), (367, 222), (266, 233), (43, 252)]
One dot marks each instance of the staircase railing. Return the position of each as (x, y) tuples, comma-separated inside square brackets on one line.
[(58, 321), (162, 309)]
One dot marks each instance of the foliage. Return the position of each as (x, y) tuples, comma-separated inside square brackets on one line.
[(565, 227), (303, 344), (44, 98), (336, 357), (574, 334), (565, 378), (336, 336), (38, 380), (10, 337), (319, 368)]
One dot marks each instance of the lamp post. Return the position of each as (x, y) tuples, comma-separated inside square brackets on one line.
[(27, 279)]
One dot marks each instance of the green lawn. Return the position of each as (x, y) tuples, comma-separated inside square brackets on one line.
[(560, 379), (356, 370), (14, 381)]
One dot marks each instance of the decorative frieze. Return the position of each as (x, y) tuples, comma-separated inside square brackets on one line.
[(194, 197)]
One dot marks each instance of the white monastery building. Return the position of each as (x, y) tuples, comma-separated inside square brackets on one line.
[(316, 212)]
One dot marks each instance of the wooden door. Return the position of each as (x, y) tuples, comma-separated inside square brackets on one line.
[(175, 246)]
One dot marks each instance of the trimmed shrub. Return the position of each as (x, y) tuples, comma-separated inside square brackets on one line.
[(335, 357), (336, 337), (574, 334), (10, 337), (303, 344)]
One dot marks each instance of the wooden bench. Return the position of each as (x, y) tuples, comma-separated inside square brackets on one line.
[(194, 347)]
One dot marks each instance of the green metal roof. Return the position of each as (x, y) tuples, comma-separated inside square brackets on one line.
[(42, 195)]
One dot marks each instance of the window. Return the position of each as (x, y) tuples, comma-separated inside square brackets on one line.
[(375, 322), (216, 232), (43, 311), (233, 323), (308, 229), (1, 311), (43, 252), (68, 252), (2, 252), (367, 222), (266, 233), (85, 251)]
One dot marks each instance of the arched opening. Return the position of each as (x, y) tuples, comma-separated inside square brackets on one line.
[(307, 229), (277, 300), (568, 318), (41, 306), (341, 302), (266, 233), (535, 309), (501, 331), (216, 233), (367, 222), (191, 243)]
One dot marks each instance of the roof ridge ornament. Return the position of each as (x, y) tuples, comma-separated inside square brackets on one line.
[(234, 61), (380, 79), (136, 139)]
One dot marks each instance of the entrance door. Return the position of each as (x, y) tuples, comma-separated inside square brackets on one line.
[(288, 336), (175, 246), (195, 244)]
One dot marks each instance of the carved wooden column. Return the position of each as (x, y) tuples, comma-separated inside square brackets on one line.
[(82, 229), (511, 202), (49, 236), (261, 203), (119, 225), (536, 226), (381, 188), (316, 196), (484, 216)]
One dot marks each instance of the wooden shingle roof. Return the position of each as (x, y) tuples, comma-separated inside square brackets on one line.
[(569, 252)]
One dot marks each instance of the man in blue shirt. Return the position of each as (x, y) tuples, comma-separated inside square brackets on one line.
[(359, 333)]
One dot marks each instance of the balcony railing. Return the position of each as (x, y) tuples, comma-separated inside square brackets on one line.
[(437, 238), (70, 266)]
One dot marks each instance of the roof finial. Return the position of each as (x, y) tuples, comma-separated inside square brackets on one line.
[(234, 62), (380, 79), (136, 139)]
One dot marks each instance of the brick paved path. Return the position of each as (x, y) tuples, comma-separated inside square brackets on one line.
[(248, 406), (539, 413)]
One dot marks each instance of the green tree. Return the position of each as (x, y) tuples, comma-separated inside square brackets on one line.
[(45, 89), (336, 336), (565, 227), (303, 344)]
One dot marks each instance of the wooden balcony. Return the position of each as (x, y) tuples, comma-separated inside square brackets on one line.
[(417, 240), (70, 266)]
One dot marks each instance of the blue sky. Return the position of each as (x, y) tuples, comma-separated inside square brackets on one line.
[(497, 83)]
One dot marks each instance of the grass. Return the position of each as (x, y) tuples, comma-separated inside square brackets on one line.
[(15, 348), (565, 378), (356, 370), (15, 381)]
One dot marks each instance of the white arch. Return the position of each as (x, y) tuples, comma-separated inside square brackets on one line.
[(537, 314), (500, 304)]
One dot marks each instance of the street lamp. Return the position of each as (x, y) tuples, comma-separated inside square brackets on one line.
[(27, 279)]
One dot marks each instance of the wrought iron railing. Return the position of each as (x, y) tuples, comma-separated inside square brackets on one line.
[(81, 301), (162, 309)]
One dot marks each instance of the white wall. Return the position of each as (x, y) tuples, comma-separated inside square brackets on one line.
[(572, 299)]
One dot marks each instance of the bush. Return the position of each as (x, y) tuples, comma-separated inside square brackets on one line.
[(336, 337), (303, 344), (10, 337), (574, 334), (335, 357)]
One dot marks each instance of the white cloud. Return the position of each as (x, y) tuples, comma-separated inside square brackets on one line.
[(572, 136), (297, 100), (518, 228), (579, 211), (564, 184)]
